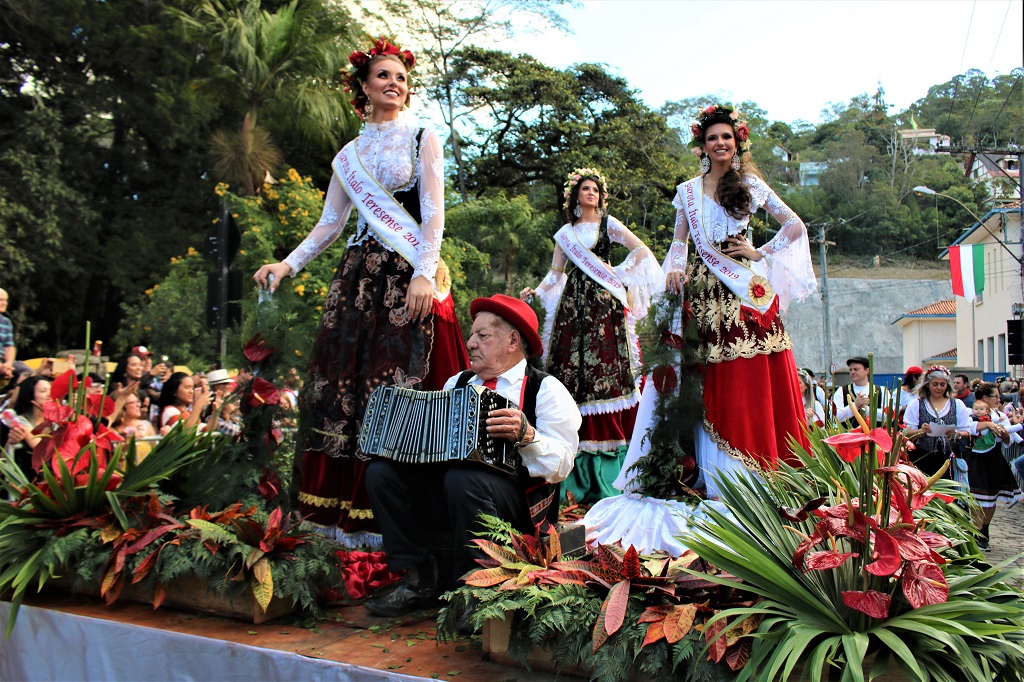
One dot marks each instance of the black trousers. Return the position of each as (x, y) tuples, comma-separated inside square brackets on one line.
[(412, 502)]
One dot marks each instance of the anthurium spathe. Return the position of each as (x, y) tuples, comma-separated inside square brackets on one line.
[(263, 393), (851, 445)]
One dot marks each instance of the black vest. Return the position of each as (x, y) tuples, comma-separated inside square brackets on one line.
[(541, 496)]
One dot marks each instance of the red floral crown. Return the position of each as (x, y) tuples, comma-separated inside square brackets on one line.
[(719, 111), (360, 62)]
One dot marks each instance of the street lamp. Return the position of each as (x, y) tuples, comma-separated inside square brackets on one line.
[(928, 191)]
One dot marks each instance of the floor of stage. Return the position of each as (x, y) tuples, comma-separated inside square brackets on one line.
[(350, 635)]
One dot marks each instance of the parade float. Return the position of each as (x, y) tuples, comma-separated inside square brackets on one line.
[(851, 566)]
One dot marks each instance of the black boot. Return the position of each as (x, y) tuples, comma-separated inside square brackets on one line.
[(983, 543), (417, 590)]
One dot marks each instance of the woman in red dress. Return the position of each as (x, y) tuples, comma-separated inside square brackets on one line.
[(737, 294)]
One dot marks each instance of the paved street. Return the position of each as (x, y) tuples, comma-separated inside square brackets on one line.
[(1007, 533)]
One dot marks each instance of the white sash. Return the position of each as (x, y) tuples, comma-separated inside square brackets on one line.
[(383, 214), (752, 289), (594, 267)]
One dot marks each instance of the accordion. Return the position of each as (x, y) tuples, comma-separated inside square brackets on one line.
[(428, 427)]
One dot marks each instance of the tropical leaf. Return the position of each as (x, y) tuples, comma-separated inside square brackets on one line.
[(615, 606), (213, 531), (486, 577), (262, 583), (678, 622), (655, 632)]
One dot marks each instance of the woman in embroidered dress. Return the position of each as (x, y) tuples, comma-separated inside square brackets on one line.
[(388, 317), (590, 342), (736, 293)]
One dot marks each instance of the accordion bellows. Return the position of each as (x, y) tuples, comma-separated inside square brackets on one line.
[(430, 427)]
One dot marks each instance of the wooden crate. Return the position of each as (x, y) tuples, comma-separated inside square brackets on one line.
[(189, 594)]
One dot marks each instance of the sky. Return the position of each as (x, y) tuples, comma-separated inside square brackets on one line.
[(792, 58)]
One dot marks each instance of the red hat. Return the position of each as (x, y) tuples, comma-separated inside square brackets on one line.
[(914, 369), (517, 313), (141, 351)]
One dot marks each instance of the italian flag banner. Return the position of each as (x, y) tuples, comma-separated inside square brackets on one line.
[(967, 267)]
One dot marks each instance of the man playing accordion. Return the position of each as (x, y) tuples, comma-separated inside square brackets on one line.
[(410, 499)]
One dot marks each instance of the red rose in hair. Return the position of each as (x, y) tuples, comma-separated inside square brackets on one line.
[(359, 60), (710, 110), (409, 58), (742, 132), (384, 47), (758, 291), (695, 129)]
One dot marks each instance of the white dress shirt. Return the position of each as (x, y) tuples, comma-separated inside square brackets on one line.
[(553, 451), (912, 417)]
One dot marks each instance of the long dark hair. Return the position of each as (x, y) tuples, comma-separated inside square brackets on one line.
[(169, 393), (574, 198), (26, 394), (120, 375), (732, 193)]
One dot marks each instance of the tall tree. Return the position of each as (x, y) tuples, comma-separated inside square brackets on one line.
[(440, 28), (292, 57)]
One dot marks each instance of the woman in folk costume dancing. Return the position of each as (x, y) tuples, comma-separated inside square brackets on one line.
[(590, 329), (737, 293), (388, 317)]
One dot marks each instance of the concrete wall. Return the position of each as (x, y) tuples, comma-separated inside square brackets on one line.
[(862, 313)]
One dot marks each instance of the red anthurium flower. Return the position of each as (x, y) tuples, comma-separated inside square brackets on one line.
[(256, 349), (269, 485), (54, 412), (63, 384), (814, 540), (933, 539), (99, 405), (850, 445), (801, 513), (875, 604), (665, 379), (924, 584), (820, 561), (886, 554), (71, 438), (263, 392), (672, 340)]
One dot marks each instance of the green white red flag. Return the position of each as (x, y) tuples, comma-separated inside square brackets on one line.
[(967, 268)]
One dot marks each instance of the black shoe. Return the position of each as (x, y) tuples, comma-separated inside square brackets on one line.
[(401, 600)]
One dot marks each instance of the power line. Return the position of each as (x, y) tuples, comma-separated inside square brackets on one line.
[(1005, 102), (988, 69), (956, 81)]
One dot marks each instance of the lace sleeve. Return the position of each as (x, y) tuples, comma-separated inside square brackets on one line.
[(550, 288), (431, 175), (337, 206), (788, 254), (675, 260), (640, 271)]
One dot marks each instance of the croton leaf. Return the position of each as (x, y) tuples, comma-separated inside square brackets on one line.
[(679, 621), (631, 564), (653, 613), (716, 644), (600, 634), (655, 631), (262, 583), (616, 602), (488, 577), (874, 604), (159, 595), (737, 656)]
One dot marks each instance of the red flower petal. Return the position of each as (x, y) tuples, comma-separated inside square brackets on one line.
[(63, 384), (256, 349), (55, 412), (263, 392), (886, 552), (820, 561), (912, 548), (874, 604), (924, 584), (665, 379), (99, 405)]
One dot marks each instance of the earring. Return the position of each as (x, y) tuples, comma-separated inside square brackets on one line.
[(735, 161), (368, 109), (705, 164), (578, 211)]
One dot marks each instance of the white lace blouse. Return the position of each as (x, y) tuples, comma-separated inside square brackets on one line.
[(787, 256), (640, 272), (388, 152)]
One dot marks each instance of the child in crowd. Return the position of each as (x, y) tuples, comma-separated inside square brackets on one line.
[(983, 443)]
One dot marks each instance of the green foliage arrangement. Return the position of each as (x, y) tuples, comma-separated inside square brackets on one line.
[(611, 614), (898, 582)]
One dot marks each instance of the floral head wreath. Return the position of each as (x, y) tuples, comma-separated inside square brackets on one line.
[(719, 111), (575, 176), (937, 372), (360, 62)]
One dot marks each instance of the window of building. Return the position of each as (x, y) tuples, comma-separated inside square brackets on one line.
[(979, 358), (990, 359), (1002, 352)]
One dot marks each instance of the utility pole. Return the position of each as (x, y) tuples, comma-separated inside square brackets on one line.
[(823, 245)]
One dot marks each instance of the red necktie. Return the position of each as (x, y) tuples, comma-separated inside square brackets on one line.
[(491, 384)]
